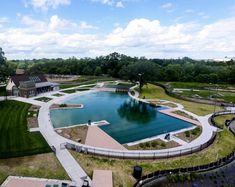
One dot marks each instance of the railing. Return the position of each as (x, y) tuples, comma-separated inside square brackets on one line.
[(144, 154), (219, 114), (154, 176)]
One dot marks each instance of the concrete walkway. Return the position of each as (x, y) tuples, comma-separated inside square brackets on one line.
[(73, 169)]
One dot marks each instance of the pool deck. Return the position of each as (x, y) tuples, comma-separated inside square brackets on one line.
[(102, 178), (98, 138), (169, 112)]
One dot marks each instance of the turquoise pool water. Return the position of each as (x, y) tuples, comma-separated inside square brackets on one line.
[(129, 120)]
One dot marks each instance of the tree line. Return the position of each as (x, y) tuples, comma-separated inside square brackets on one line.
[(129, 68)]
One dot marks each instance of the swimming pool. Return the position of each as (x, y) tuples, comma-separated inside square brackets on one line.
[(129, 119)]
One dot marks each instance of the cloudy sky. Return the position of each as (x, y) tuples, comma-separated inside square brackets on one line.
[(88, 28)]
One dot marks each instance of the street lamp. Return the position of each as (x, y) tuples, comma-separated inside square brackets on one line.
[(140, 81), (216, 96)]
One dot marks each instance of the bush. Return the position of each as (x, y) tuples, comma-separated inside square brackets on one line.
[(141, 145), (147, 144), (195, 131), (163, 144), (63, 105), (154, 144), (187, 134)]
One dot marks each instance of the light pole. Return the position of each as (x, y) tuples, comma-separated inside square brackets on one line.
[(140, 81), (216, 96)]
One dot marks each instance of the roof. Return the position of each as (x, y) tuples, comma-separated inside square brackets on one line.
[(20, 71), (21, 78), (43, 84)]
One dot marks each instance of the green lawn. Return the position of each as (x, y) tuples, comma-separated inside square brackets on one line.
[(206, 94), (196, 85), (205, 90), (122, 169), (220, 120), (41, 165), (58, 95), (64, 86), (83, 80), (86, 78), (151, 91), (43, 99), (15, 140)]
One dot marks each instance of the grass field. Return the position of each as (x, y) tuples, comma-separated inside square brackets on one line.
[(220, 120), (42, 165), (196, 85), (43, 99), (207, 94), (122, 169), (82, 80), (15, 140), (205, 90), (86, 78), (151, 91)]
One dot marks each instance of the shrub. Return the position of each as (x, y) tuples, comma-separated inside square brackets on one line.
[(195, 131), (147, 144), (163, 144), (187, 133), (141, 145), (63, 105), (154, 144)]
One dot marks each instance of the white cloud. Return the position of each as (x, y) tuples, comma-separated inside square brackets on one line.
[(55, 23), (203, 15), (140, 37), (189, 11), (105, 2), (119, 4), (167, 5), (85, 25), (4, 19), (116, 3), (46, 4)]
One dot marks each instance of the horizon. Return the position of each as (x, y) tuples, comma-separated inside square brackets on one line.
[(139, 57), (36, 29)]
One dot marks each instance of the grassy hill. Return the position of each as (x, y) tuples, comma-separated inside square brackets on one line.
[(15, 140)]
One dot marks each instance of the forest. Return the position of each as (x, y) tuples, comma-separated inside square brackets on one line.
[(129, 68)]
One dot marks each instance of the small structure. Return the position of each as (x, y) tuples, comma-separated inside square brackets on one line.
[(24, 85), (137, 172)]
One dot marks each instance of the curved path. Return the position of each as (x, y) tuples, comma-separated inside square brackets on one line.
[(74, 170)]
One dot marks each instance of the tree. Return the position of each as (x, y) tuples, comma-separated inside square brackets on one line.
[(98, 71), (4, 69)]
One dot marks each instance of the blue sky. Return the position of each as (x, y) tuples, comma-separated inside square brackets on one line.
[(152, 28)]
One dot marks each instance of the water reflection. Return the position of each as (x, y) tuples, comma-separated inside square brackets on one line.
[(137, 112)]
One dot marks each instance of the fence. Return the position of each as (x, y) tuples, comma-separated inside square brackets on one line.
[(154, 176), (144, 154), (219, 114)]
